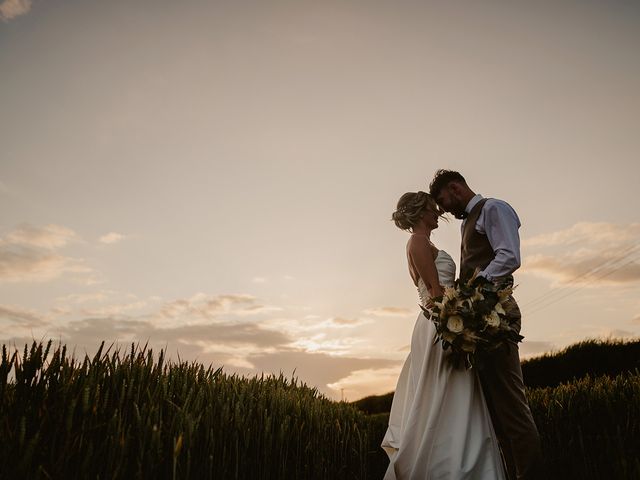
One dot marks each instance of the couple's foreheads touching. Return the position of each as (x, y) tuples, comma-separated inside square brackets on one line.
[(448, 193)]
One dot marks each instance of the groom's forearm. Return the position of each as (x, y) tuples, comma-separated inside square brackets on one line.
[(501, 227), (504, 264)]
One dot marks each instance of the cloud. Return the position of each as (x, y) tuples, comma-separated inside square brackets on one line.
[(587, 254), (245, 348), (530, 348), (588, 233), (61, 311), (592, 268), (197, 309), (111, 237), (636, 319), (258, 279), (335, 336), (369, 381), (330, 323), (389, 311), (319, 369), (77, 298), (30, 254), (21, 317), (114, 309), (616, 333), (48, 237), (326, 336), (203, 336), (320, 343), (20, 264), (347, 322), (217, 343), (203, 306), (229, 330), (10, 9)]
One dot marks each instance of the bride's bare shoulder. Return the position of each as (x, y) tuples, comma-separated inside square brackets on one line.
[(420, 245), (421, 241), (416, 241)]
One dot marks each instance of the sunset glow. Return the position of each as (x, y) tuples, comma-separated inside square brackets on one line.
[(217, 178)]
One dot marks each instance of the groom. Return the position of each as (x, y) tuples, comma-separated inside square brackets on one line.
[(490, 242)]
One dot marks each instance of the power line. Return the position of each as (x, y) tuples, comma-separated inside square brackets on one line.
[(569, 283), (572, 282), (600, 277), (557, 299)]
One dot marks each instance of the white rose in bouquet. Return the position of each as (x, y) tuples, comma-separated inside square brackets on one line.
[(471, 319), (493, 319), (455, 323)]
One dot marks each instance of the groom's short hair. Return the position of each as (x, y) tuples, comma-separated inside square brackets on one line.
[(441, 179)]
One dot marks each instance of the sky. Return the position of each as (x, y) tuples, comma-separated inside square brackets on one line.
[(216, 178)]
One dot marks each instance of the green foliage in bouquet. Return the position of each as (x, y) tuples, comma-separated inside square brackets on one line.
[(473, 319)]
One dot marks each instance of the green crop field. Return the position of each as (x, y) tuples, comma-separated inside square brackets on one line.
[(133, 415)]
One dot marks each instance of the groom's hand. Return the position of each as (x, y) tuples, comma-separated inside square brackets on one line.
[(479, 281)]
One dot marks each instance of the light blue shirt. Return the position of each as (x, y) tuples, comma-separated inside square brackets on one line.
[(500, 223)]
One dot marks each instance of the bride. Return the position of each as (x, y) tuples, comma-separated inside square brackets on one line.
[(439, 426)]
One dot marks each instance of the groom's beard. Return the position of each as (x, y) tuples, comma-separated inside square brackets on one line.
[(459, 212)]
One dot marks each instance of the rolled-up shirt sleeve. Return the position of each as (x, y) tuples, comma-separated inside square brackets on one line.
[(500, 223)]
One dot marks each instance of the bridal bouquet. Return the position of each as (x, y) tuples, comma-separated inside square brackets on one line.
[(470, 318)]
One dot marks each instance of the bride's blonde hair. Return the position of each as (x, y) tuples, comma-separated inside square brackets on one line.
[(411, 208)]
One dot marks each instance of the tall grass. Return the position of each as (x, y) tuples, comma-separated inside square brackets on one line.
[(590, 428), (132, 416)]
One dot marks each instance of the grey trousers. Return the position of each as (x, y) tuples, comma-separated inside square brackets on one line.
[(502, 384)]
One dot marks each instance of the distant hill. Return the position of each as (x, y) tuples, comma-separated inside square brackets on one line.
[(593, 357), (375, 403)]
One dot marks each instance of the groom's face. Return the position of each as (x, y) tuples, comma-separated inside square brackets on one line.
[(450, 199)]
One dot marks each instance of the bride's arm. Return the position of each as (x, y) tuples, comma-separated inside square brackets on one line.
[(422, 258)]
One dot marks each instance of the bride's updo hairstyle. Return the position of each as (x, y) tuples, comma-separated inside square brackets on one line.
[(411, 208)]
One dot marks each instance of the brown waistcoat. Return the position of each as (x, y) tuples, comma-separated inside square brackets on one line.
[(476, 251)]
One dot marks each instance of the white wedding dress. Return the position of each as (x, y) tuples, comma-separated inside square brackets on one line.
[(439, 426)]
